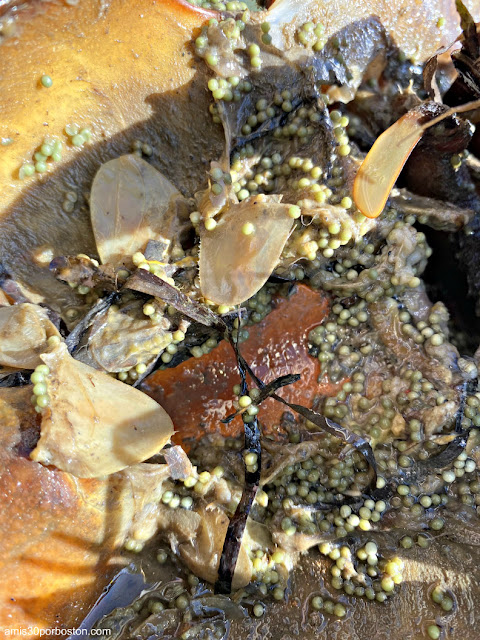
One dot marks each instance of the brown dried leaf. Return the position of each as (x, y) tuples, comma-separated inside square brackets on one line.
[(234, 266), (96, 425), (3, 299), (152, 285), (202, 554), (471, 44), (432, 212), (429, 79), (82, 270), (129, 206)]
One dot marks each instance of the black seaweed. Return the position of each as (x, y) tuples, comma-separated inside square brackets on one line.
[(458, 444), (236, 527), (17, 379), (445, 457), (267, 391), (326, 425)]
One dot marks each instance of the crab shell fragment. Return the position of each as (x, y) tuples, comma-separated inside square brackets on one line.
[(125, 71)]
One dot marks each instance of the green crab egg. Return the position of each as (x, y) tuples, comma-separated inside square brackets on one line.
[(46, 81)]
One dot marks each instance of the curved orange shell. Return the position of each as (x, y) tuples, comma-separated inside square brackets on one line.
[(383, 163)]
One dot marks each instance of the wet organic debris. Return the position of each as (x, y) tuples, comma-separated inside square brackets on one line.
[(177, 608), (399, 431)]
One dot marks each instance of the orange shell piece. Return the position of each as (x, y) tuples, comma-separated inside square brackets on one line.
[(198, 394), (383, 163)]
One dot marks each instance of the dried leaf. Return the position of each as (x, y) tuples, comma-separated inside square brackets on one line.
[(10, 286), (469, 74), (96, 425), (429, 79), (437, 214), (152, 285), (234, 266), (429, 74), (471, 44), (201, 553), (467, 60), (24, 331), (3, 300), (74, 337), (129, 205), (82, 270)]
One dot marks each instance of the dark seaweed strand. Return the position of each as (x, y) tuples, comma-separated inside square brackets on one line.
[(336, 430), (365, 449), (267, 127), (267, 391), (437, 462), (458, 444), (443, 459), (326, 425), (447, 456), (236, 527), (16, 379)]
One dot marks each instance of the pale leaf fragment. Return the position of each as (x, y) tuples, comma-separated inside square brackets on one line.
[(24, 331), (178, 463), (3, 300), (383, 163), (121, 338), (96, 425), (234, 266), (130, 205)]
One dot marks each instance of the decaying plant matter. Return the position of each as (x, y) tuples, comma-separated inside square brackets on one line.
[(231, 351)]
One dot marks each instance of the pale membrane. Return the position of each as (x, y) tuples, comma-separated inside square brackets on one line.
[(129, 205), (24, 331), (383, 163), (234, 266), (96, 425)]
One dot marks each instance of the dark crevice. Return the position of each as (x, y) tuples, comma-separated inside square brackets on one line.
[(446, 282)]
